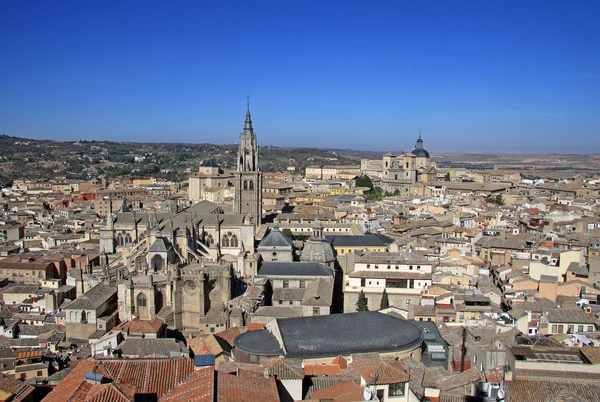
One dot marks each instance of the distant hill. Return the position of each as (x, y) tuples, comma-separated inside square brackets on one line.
[(43, 159)]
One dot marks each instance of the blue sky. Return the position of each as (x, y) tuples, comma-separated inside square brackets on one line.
[(494, 76)]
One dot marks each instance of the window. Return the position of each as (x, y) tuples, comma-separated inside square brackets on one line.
[(407, 302), (291, 303), (410, 267), (316, 311), (141, 300), (376, 266), (590, 328), (83, 317), (302, 284), (389, 267), (580, 328), (368, 266), (39, 373), (280, 301), (286, 284), (418, 267), (396, 389)]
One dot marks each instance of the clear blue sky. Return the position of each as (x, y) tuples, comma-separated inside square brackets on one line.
[(499, 76)]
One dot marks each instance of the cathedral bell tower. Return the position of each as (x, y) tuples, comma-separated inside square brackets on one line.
[(248, 178)]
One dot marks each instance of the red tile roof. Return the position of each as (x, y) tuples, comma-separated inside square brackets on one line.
[(18, 389), (247, 387), (345, 391), (229, 334), (383, 373), (141, 375), (199, 387)]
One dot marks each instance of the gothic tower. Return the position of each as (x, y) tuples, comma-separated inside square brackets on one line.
[(107, 233), (248, 178)]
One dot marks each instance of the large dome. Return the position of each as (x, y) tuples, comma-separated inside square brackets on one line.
[(317, 250), (419, 151)]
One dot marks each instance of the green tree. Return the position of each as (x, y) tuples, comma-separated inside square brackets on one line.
[(361, 303), (385, 301), (288, 233), (363, 181), (499, 199), (448, 176)]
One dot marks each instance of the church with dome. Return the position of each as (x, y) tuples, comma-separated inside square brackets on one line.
[(398, 173)]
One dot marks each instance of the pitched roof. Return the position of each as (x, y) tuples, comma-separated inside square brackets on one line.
[(569, 316), (93, 298), (199, 387), (295, 268), (18, 389), (344, 391), (145, 347), (136, 373), (383, 373), (355, 241), (247, 387), (526, 390), (276, 239)]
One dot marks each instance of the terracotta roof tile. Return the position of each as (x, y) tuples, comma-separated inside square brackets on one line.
[(383, 373), (139, 374), (247, 387), (521, 390), (18, 389), (199, 387), (345, 391)]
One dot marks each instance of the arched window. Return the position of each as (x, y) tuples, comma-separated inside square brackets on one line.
[(157, 262), (209, 240), (128, 239), (245, 185), (251, 185), (234, 241), (120, 241), (386, 164), (141, 300), (225, 241), (83, 317)]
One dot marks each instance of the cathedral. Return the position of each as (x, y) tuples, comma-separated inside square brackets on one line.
[(179, 263)]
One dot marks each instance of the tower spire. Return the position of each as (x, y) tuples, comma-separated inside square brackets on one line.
[(248, 124)]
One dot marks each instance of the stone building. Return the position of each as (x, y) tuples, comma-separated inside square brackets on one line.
[(209, 177), (399, 172), (192, 299), (276, 246), (95, 310)]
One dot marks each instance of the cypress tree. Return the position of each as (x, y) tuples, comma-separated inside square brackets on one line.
[(385, 301), (362, 304)]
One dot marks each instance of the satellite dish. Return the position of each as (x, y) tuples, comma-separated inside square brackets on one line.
[(368, 394)]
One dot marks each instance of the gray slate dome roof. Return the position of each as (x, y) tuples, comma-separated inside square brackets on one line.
[(332, 335), (419, 151), (276, 239), (316, 250)]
